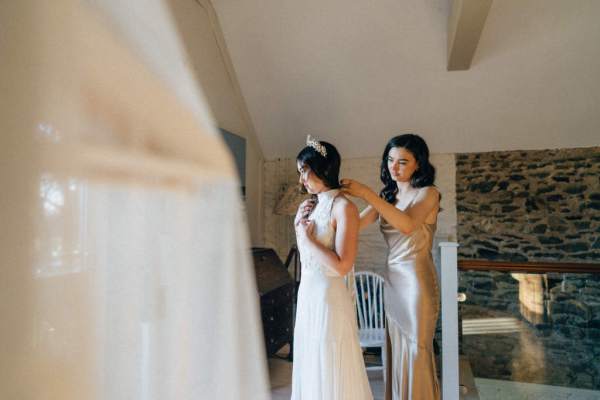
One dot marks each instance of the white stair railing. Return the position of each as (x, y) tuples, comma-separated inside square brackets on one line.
[(449, 289)]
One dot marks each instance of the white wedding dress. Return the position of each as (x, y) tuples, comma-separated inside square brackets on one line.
[(328, 362)]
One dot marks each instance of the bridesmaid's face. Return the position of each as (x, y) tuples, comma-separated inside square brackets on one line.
[(312, 183), (401, 164)]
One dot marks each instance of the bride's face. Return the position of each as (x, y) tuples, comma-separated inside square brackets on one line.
[(311, 182), (401, 164)]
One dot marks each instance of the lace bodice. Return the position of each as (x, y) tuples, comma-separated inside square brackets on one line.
[(323, 232)]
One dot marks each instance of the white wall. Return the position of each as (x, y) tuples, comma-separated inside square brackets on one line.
[(210, 61), (355, 72)]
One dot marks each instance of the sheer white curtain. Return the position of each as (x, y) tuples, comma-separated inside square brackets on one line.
[(125, 271)]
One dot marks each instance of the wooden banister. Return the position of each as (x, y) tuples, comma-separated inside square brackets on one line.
[(533, 267)]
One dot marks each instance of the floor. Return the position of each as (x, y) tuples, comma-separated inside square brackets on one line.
[(492, 389), (281, 380), (280, 371)]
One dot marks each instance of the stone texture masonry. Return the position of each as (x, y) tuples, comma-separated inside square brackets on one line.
[(529, 205), (532, 206)]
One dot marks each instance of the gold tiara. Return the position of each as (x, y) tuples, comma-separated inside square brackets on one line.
[(315, 144)]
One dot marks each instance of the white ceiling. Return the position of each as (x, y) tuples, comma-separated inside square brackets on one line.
[(356, 72)]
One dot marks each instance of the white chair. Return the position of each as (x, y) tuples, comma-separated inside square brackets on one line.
[(371, 316)]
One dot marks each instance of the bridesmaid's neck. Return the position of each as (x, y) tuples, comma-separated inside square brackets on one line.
[(403, 187)]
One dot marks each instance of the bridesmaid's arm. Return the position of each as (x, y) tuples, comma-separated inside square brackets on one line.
[(426, 202), (367, 217), (345, 215)]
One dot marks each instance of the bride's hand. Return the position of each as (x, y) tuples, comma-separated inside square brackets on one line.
[(305, 229), (355, 188), (304, 210)]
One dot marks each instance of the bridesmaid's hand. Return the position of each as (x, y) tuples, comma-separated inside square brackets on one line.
[(355, 188)]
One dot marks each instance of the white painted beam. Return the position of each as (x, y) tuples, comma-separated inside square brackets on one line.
[(465, 25)]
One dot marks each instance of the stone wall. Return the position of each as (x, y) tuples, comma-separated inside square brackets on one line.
[(532, 206), (372, 252), (529, 205)]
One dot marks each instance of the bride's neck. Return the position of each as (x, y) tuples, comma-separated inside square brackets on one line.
[(325, 190)]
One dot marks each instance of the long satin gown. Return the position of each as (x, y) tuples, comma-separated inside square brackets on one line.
[(411, 298), (328, 362)]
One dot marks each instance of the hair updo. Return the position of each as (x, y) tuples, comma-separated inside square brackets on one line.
[(326, 168)]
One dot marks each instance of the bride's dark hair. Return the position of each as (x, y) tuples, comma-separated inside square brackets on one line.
[(423, 176), (327, 168)]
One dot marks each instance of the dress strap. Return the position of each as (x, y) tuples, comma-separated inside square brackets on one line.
[(331, 203), (414, 197), (325, 204)]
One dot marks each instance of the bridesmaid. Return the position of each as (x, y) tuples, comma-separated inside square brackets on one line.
[(407, 209)]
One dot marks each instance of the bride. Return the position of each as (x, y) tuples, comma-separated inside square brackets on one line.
[(328, 362)]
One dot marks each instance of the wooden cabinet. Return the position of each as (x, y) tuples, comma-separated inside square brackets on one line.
[(276, 289)]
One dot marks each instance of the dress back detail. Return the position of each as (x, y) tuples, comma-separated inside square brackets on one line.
[(323, 232)]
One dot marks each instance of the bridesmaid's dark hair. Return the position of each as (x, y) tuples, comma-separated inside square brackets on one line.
[(327, 168), (423, 176)]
